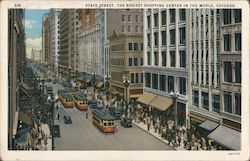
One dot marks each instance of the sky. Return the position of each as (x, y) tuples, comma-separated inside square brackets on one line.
[(33, 29)]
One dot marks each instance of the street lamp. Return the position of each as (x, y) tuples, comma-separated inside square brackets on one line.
[(126, 84), (93, 74), (175, 95)]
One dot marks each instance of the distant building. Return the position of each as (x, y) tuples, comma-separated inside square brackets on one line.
[(35, 55), (54, 38), (46, 40)]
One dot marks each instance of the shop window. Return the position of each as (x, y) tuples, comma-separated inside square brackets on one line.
[(163, 83), (155, 81), (170, 83), (227, 102), (182, 85), (204, 97), (148, 80), (216, 103), (195, 98)]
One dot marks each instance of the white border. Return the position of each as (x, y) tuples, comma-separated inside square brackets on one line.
[(120, 155)]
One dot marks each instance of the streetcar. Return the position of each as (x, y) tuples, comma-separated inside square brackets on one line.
[(103, 121), (65, 99), (80, 102)]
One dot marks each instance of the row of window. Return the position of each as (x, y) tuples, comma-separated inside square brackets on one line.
[(130, 28), (130, 18), (229, 71), (228, 40), (135, 61), (229, 15), (172, 13), (136, 77), (172, 56), (165, 83), (135, 46), (182, 37)]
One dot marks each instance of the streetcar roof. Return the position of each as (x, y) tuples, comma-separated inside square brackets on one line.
[(65, 95), (103, 114)]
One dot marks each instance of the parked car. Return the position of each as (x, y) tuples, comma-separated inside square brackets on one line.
[(67, 120), (56, 128), (126, 122)]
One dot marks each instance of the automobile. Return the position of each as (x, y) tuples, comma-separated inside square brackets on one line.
[(92, 103), (126, 122), (67, 120), (56, 128)]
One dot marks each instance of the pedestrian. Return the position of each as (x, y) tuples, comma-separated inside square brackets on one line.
[(116, 128), (58, 116), (148, 125), (86, 116), (57, 106)]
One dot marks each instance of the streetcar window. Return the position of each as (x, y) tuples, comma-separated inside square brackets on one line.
[(110, 123), (105, 124)]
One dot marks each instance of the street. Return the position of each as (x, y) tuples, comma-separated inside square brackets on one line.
[(83, 135)]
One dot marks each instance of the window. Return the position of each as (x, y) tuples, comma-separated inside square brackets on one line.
[(182, 32), (141, 46), (135, 61), (148, 80), (227, 72), (204, 99), (182, 59), (237, 72), (130, 46), (164, 58), (136, 78), (129, 18), (237, 15), (148, 21), (123, 28), (227, 102), (130, 62), (136, 18), (172, 58), (132, 79), (149, 58), (129, 28), (123, 18), (136, 48), (195, 98), (163, 17), (141, 28), (141, 77), (141, 61), (136, 28), (156, 39), (155, 81), (172, 15), (227, 16), (182, 14), (148, 38), (155, 19), (156, 58), (238, 104), (227, 42), (238, 42), (170, 83), (182, 85), (163, 83), (172, 37), (163, 37), (216, 103)]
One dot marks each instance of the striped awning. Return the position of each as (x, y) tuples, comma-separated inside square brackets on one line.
[(146, 98), (162, 103), (226, 137), (209, 125)]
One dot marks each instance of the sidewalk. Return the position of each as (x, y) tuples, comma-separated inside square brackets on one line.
[(46, 130), (158, 136)]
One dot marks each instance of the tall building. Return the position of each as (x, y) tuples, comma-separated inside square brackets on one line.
[(166, 62), (35, 55), (46, 39), (204, 89), (230, 59), (16, 63), (54, 38), (68, 58)]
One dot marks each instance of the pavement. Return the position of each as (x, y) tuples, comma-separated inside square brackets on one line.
[(46, 130)]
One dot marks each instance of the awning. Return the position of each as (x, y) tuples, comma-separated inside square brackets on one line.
[(25, 86), (15, 124), (146, 98), (161, 102), (209, 125), (25, 117), (226, 137)]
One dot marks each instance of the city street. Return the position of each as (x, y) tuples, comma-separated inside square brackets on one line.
[(83, 135)]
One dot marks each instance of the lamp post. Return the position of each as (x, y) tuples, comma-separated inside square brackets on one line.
[(93, 74), (175, 95), (126, 84), (107, 77)]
